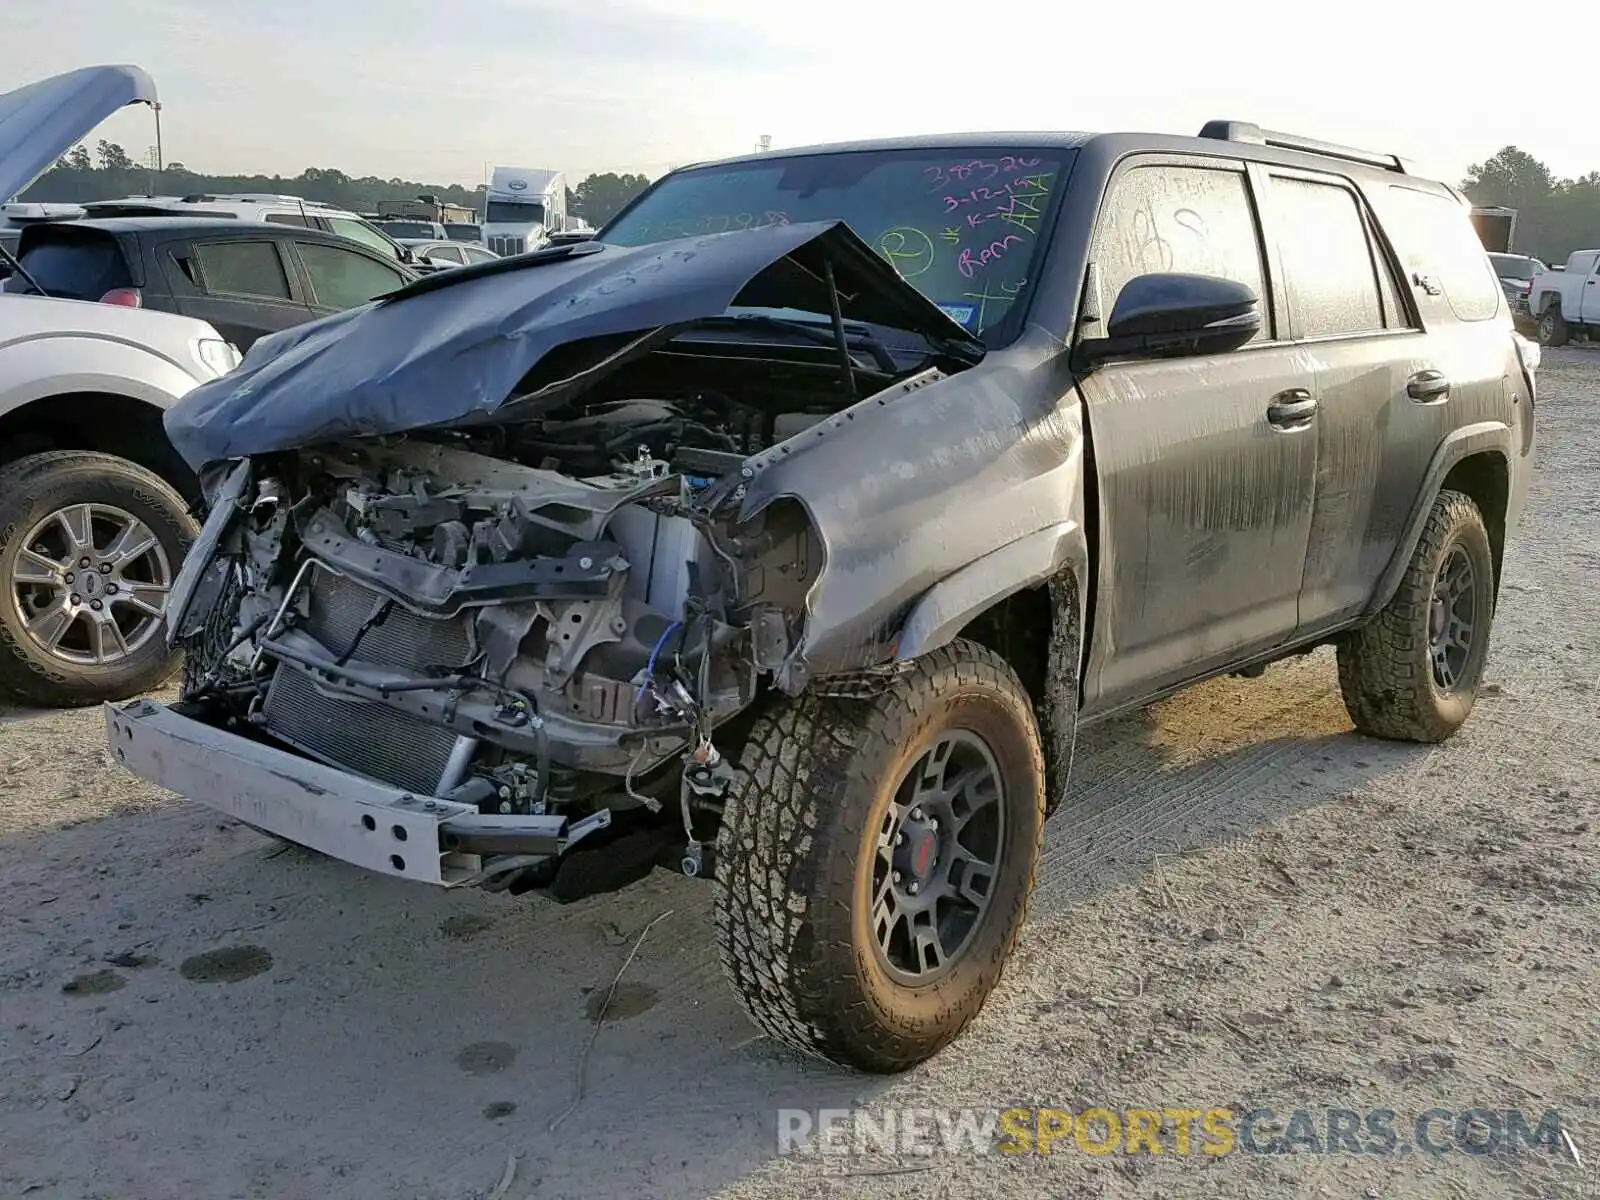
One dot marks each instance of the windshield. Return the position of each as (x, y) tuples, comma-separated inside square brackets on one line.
[(1512, 266), (503, 213), (461, 232), (962, 227)]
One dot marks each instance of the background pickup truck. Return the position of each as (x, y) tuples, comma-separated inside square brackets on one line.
[(1564, 301)]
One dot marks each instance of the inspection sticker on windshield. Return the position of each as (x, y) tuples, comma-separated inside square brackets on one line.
[(962, 314)]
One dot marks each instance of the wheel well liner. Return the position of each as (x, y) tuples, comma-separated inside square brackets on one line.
[(1039, 632), (103, 422)]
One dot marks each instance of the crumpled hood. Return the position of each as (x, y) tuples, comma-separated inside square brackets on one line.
[(42, 121), (453, 347)]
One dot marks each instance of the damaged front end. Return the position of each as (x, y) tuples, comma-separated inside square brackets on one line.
[(499, 643)]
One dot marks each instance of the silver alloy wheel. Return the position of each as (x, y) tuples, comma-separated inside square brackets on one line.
[(91, 584)]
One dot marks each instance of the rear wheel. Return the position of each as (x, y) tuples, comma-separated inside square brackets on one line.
[(89, 547), (874, 866), (1412, 673), (1553, 327)]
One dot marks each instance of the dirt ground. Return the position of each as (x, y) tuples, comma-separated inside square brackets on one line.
[(1247, 906)]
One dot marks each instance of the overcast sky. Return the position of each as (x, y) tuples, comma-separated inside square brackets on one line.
[(433, 91)]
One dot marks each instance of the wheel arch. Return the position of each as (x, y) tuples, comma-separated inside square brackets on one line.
[(1476, 461), (98, 421), (1025, 602)]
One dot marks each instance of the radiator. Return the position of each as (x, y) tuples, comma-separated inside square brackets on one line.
[(367, 738)]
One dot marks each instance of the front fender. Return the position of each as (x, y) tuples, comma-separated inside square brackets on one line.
[(910, 488), (949, 605), (63, 364)]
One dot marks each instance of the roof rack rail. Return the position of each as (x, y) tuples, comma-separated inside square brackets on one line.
[(1246, 131)]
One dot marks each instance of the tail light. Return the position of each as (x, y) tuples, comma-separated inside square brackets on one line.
[(126, 297)]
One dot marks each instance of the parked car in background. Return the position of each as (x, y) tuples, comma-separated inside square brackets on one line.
[(1566, 300), (406, 229), (260, 207), (438, 255), (1516, 272), (94, 501), (246, 279)]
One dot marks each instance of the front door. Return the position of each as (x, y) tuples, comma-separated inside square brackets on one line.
[(341, 278), (1206, 465)]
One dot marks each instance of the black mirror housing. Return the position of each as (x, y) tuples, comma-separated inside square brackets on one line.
[(1167, 314)]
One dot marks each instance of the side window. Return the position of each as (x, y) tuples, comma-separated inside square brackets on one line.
[(342, 278), (1195, 220), (1327, 260), (1395, 313), (1434, 237), (446, 253), (243, 269), (475, 255), (360, 231), (288, 219)]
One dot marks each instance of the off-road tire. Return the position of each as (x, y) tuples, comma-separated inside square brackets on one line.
[(1552, 329), (30, 489), (791, 898), (1385, 671)]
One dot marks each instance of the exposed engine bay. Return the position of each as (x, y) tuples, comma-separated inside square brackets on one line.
[(531, 619)]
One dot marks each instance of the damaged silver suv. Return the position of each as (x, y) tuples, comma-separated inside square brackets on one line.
[(785, 534)]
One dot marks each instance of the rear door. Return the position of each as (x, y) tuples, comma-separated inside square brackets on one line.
[(1205, 464), (1457, 375), (242, 285), (342, 277), (1347, 311)]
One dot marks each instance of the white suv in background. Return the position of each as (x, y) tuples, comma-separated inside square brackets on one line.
[(94, 501), (257, 206)]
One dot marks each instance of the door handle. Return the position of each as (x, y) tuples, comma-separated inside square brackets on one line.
[(1292, 410), (1428, 387)]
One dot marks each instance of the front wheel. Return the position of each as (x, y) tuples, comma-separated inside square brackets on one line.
[(874, 866), (1412, 672), (89, 547), (1553, 328)]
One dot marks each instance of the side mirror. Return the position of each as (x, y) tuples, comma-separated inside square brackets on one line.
[(1162, 315)]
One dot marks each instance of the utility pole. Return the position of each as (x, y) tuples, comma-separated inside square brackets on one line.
[(764, 143), (155, 179)]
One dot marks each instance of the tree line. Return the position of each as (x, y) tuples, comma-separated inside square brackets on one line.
[(1554, 216), (107, 173)]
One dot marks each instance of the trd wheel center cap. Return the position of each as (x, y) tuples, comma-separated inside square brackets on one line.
[(918, 855)]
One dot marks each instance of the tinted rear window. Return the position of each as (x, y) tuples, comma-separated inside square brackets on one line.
[(243, 269), (1435, 239), (76, 268)]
